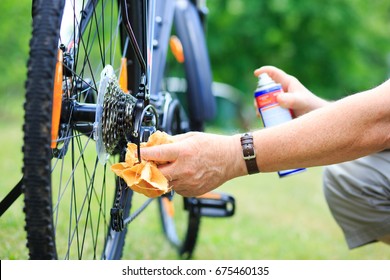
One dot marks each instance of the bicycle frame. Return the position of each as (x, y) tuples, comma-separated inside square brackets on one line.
[(189, 28), (145, 81)]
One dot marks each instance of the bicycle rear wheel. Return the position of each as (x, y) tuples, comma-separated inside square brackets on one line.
[(68, 193)]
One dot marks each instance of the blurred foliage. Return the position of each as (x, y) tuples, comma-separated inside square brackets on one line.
[(334, 47), (15, 33)]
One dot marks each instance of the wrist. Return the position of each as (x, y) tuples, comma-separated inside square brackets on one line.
[(248, 152), (236, 158)]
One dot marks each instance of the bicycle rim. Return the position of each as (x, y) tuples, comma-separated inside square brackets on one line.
[(68, 193)]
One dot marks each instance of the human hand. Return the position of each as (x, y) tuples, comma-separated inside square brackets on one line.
[(197, 162), (296, 96)]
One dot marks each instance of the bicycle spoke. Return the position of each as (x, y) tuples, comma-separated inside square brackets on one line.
[(76, 187)]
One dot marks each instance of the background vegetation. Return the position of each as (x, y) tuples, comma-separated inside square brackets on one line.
[(334, 47)]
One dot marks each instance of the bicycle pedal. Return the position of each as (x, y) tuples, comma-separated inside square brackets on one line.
[(212, 204)]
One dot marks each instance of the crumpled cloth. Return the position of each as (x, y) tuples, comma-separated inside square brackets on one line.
[(143, 177)]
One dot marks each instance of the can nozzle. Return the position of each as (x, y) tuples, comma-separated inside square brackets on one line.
[(264, 79)]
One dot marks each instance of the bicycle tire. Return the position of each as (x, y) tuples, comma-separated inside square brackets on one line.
[(86, 220), (184, 239), (200, 98)]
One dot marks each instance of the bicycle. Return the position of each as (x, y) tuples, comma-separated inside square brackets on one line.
[(76, 126)]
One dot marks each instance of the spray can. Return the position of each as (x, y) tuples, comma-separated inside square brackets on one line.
[(270, 111)]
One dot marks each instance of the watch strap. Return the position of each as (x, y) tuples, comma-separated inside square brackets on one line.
[(248, 152)]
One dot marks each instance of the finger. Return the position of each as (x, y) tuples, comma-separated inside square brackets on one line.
[(178, 186), (161, 153), (272, 71), (291, 101), (168, 170), (275, 73), (286, 100)]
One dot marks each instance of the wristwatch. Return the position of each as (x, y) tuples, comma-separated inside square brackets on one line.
[(248, 152)]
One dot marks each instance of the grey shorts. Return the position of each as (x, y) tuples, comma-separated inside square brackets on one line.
[(358, 195)]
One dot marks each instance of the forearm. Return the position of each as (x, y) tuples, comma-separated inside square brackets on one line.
[(347, 129), (344, 130)]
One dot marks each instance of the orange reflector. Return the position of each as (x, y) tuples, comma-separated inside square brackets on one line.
[(168, 206), (123, 75), (57, 100), (177, 48)]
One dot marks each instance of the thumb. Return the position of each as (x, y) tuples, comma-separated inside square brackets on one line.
[(160, 153)]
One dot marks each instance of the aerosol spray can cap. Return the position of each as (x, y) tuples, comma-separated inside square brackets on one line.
[(264, 80)]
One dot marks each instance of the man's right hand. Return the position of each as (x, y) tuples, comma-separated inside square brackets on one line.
[(296, 96)]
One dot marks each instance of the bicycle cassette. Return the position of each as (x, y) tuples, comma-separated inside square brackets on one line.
[(114, 114)]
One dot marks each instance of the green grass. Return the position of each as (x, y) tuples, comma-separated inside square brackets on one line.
[(275, 218), (12, 234)]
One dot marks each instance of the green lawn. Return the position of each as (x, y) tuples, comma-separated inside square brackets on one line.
[(275, 218)]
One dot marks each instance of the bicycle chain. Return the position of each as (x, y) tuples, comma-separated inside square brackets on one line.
[(117, 122), (117, 118)]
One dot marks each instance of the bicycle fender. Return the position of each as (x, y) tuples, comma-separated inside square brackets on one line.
[(189, 29)]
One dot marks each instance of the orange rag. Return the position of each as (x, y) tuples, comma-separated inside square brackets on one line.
[(143, 177)]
